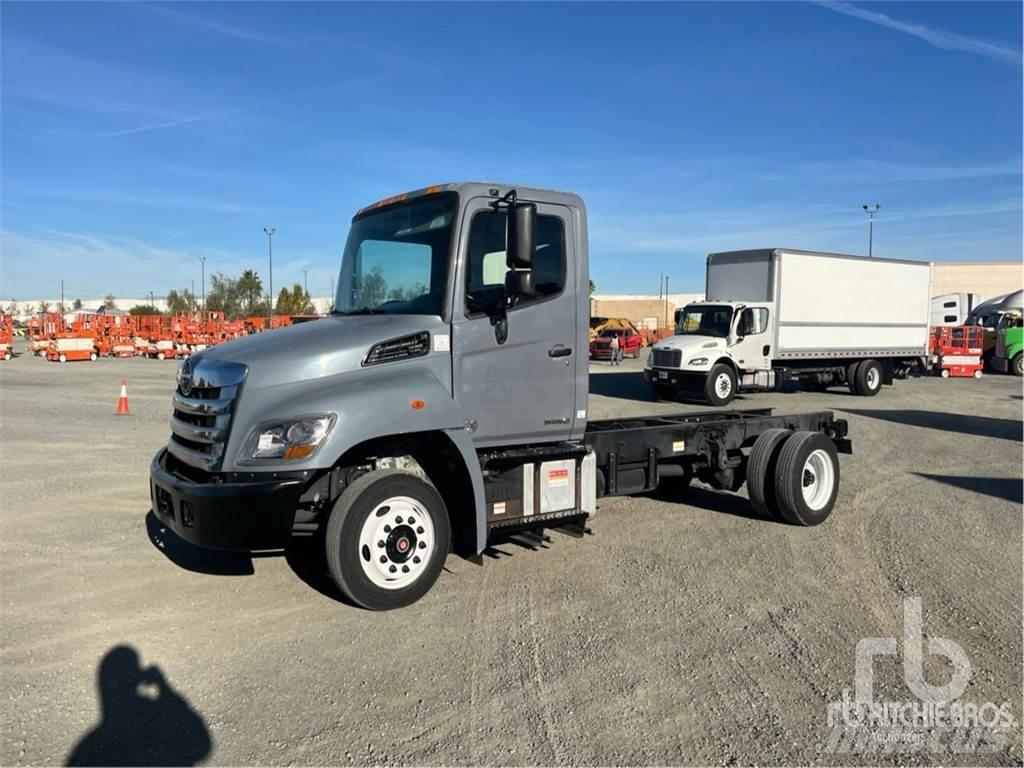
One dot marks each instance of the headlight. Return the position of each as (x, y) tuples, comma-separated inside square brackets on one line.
[(295, 439), (698, 361)]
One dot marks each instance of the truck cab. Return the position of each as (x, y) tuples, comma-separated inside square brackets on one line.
[(717, 346), (443, 400)]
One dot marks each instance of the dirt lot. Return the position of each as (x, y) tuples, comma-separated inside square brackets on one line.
[(677, 633)]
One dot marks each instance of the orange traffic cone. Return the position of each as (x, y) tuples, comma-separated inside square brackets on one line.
[(122, 401)]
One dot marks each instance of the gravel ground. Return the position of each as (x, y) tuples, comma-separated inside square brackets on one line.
[(682, 631)]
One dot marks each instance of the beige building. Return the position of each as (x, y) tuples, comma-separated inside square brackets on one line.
[(643, 311), (990, 279)]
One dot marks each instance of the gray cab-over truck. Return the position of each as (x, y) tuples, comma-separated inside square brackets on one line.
[(444, 401)]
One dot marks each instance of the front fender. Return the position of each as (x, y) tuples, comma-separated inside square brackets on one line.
[(369, 403)]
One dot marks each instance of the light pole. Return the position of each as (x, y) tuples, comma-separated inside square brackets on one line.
[(270, 261), (871, 225), (202, 267), (305, 280)]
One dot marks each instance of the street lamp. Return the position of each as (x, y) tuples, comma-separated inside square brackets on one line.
[(202, 263), (270, 261), (871, 225)]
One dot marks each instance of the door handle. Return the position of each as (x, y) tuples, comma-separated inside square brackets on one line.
[(559, 351)]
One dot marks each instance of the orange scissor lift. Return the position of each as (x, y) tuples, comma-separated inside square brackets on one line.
[(6, 336), (956, 350)]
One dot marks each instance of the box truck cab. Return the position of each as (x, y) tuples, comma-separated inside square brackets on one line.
[(445, 401), (772, 315)]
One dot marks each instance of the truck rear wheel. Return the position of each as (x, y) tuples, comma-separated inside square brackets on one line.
[(387, 539), (761, 471), (807, 478), (1017, 365), (868, 378), (720, 385)]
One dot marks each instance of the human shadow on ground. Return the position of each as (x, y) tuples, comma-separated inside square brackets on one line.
[(185, 555), (982, 426), (144, 721), (1007, 488)]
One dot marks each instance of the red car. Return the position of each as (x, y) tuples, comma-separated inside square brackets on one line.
[(629, 343)]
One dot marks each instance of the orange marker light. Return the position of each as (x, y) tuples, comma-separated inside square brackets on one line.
[(417, 405)]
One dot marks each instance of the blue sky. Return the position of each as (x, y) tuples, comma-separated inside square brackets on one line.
[(137, 137)]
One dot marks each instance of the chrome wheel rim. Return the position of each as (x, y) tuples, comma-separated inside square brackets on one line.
[(873, 378), (723, 385), (819, 478), (396, 542)]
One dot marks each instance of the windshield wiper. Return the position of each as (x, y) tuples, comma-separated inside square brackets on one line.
[(360, 311)]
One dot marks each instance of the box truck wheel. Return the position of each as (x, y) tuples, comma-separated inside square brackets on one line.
[(720, 385), (761, 471), (1018, 364), (868, 377), (62, 357), (807, 478), (387, 539)]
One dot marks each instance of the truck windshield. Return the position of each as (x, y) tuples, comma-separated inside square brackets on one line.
[(704, 321), (396, 259)]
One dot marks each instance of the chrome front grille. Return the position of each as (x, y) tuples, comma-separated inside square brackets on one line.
[(667, 358), (201, 419)]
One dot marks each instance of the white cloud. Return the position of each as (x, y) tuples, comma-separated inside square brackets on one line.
[(947, 41)]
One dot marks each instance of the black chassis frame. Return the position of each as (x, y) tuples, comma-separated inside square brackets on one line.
[(631, 450)]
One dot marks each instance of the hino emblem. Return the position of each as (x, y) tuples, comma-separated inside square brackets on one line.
[(185, 378)]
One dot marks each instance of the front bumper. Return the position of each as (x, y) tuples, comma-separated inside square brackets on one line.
[(688, 380), (239, 516)]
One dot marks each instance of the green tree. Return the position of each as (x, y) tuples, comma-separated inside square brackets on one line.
[(223, 296), (77, 304), (109, 301), (294, 302), (144, 309), (44, 306), (180, 302), (593, 287), (12, 308), (250, 292)]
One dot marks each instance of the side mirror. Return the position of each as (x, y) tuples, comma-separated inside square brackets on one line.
[(521, 236)]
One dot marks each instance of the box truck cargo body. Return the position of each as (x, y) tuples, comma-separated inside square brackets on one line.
[(777, 314)]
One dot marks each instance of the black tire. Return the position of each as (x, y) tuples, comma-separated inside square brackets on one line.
[(1017, 364), (761, 471), (869, 378), (344, 558), (796, 469), (716, 391), (851, 378)]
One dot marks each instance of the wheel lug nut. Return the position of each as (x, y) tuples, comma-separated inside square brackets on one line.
[(387, 529), (405, 569), (423, 545), (383, 559), (419, 529), (412, 520), (398, 520), (381, 543), (392, 569), (416, 559)]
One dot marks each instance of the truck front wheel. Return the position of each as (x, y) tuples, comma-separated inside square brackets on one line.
[(720, 385), (387, 539), (1017, 365)]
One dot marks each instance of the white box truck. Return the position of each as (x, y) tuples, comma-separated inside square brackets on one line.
[(776, 314)]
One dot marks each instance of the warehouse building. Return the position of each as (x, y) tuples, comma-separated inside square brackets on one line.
[(643, 311), (993, 278)]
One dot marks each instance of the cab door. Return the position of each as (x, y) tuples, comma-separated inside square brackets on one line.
[(520, 389), (752, 339)]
